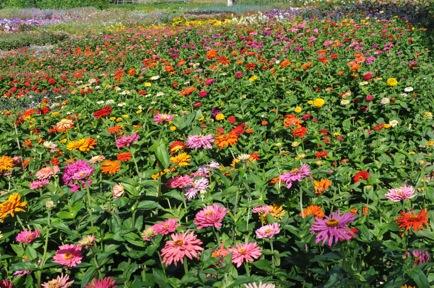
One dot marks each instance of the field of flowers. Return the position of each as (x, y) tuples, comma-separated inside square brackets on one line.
[(261, 151)]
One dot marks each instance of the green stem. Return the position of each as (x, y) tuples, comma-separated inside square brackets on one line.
[(272, 255), (89, 211), (38, 274), (135, 165), (246, 266), (185, 264)]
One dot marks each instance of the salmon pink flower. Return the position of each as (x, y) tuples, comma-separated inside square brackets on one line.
[(165, 227), (61, 281), (68, 255), (182, 245), (210, 216), (106, 282), (245, 252)]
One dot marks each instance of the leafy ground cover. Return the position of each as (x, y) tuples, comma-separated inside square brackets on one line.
[(269, 150)]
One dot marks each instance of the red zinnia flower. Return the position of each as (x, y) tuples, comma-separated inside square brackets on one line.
[(321, 154), (299, 132), (103, 112), (361, 175), (124, 156), (232, 119), (413, 220)]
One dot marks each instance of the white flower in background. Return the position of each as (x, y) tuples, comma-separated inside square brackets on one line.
[(408, 89), (363, 83), (385, 101), (159, 94), (117, 89), (156, 77), (111, 101), (393, 123), (100, 102), (122, 104)]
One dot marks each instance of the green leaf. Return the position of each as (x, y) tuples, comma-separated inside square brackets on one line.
[(418, 277)]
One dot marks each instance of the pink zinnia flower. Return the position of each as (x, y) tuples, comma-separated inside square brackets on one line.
[(77, 175), (262, 210), (148, 234), (200, 142), (106, 282), (268, 231), (333, 228), (47, 172), (420, 256), (199, 185), (68, 255), (245, 252), (210, 216), (20, 273), (161, 118), (37, 184), (295, 175), (401, 193), (259, 285), (165, 227), (27, 236), (6, 284), (180, 182), (182, 245), (61, 281), (127, 140)]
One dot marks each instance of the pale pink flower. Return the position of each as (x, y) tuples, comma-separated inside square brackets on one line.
[(182, 245), (165, 227), (47, 172), (268, 231), (117, 190), (21, 273), (245, 252), (259, 285), (61, 281), (161, 118), (262, 210), (106, 282), (200, 142), (27, 236), (68, 255), (210, 216), (401, 193)]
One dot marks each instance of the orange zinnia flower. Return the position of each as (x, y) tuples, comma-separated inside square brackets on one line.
[(321, 186), (291, 120), (110, 166), (413, 220), (124, 156), (312, 210), (11, 206), (187, 91), (176, 146), (182, 159), (114, 129), (6, 164), (285, 63), (211, 54), (225, 140)]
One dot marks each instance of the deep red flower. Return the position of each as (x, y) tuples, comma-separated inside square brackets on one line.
[(368, 76), (321, 154), (361, 175), (239, 129), (103, 112), (232, 119)]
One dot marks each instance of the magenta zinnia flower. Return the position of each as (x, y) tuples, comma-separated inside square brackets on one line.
[(210, 216), (61, 281), (37, 184), (401, 193), (106, 282), (245, 252), (127, 140), (68, 255), (27, 236), (165, 227), (77, 175), (420, 256), (268, 231), (333, 228), (295, 175), (182, 245), (180, 182), (200, 142)]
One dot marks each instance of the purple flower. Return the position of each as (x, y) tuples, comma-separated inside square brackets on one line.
[(77, 175), (420, 256), (295, 175), (333, 228), (127, 140), (199, 141), (198, 186)]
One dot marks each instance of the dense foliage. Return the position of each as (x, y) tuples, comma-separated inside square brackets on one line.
[(214, 154)]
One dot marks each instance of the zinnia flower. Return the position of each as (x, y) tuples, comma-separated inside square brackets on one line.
[(37, 184), (165, 227), (361, 175), (61, 281), (313, 210), (420, 256), (295, 175), (68, 255), (77, 175), (11, 206), (401, 193), (333, 228), (210, 216), (182, 245), (182, 159), (259, 285), (117, 190), (413, 220), (180, 182), (110, 166), (103, 112), (321, 186), (47, 172), (6, 164), (27, 236), (245, 252), (106, 282), (6, 284), (392, 82), (200, 142), (268, 231), (127, 140), (199, 185), (161, 118)]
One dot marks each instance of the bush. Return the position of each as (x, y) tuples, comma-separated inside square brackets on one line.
[(23, 39), (55, 3)]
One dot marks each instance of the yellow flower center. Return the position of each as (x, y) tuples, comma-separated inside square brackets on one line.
[(332, 223)]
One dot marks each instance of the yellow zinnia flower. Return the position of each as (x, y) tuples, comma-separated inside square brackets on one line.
[(219, 117), (298, 109), (6, 164), (318, 102), (392, 82), (182, 159)]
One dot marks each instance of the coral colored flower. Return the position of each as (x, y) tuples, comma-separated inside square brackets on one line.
[(180, 182), (412, 220), (313, 210), (291, 120), (221, 252), (110, 166), (321, 154), (259, 285), (182, 245), (182, 159), (63, 125), (401, 193), (6, 164), (127, 140), (165, 227), (77, 175), (68, 255), (210, 216), (361, 175), (321, 186), (333, 228), (103, 112), (47, 172), (27, 236), (299, 132), (106, 282), (61, 281), (114, 129), (268, 231), (124, 156), (176, 146), (420, 256), (187, 91), (11, 206), (226, 140), (200, 142), (245, 252), (295, 175), (162, 118)]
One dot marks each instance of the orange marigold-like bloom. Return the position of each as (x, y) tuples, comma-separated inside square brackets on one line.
[(6, 164), (291, 120), (312, 210), (182, 159), (124, 156), (83, 145), (321, 186), (413, 220), (307, 65), (176, 146), (110, 166), (117, 129), (277, 211), (11, 206), (225, 140), (187, 91), (211, 54), (285, 63)]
